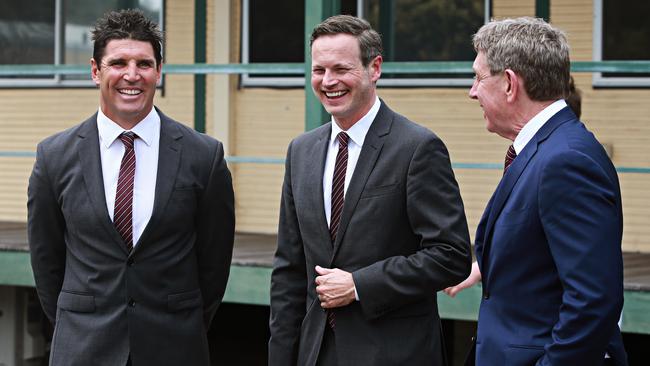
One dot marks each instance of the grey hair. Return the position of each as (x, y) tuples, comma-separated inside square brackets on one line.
[(533, 49)]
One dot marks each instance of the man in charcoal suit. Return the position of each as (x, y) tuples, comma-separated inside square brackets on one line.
[(131, 218)]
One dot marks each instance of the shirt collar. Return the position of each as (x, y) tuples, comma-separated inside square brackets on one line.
[(359, 130), (147, 129), (531, 128)]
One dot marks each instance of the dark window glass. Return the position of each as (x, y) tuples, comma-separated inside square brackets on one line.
[(427, 30), (626, 32), (412, 30), (27, 32), (79, 16), (277, 28)]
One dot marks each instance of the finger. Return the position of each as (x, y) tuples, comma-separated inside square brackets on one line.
[(323, 271)]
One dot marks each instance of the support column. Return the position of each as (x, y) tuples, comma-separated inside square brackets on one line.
[(315, 12)]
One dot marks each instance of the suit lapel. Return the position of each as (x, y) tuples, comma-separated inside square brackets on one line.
[(367, 159), (315, 180), (91, 167), (169, 157), (515, 170)]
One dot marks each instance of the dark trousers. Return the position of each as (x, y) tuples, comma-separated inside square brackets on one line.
[(327, 353)]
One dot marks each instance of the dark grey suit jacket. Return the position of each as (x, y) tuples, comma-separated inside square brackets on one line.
[(155, 303), (403, 235)]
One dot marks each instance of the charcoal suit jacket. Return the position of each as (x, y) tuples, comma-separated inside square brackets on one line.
[(156, 302), (403, 236)]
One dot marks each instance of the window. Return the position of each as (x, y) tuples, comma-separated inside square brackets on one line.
[(412, 30), (621, 33), (56, 32)]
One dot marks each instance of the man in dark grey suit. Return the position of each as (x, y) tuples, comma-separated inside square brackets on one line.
[(371, 222), (131, 218)]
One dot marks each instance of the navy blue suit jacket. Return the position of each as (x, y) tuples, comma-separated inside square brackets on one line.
[(549, 250)]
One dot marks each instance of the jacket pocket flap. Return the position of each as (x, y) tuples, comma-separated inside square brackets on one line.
[(380, 190), (76, 302), (184, 300)]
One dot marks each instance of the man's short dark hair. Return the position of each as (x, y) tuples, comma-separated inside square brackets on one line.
[(369, 40), (126, 24)]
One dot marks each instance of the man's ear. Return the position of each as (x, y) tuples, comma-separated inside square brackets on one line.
[(94, 71), (512, 85), (375, 68), (159, 72)]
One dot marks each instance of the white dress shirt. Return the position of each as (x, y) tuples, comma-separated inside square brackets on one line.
[(357, 135), (531, 128), (111, 150)]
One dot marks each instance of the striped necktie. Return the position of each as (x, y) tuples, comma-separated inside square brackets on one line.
[(510, 156), (123, 213), (338, 184)]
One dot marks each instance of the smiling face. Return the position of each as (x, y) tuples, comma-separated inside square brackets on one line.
[(127, 79), (344, 86)]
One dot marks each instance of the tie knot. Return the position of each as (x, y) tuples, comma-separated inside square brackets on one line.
[(128, 138), (343, 139)]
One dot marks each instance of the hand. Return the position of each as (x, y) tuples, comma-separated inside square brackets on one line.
[(470, 281), (335, 287)]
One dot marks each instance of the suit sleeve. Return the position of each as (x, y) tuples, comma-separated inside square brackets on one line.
[(288, 281), (581, 216), (436, 215), (46, 230), (215, 234)]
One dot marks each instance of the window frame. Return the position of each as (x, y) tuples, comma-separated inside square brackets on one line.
[(57, 81), (598, 80), (246, 80)]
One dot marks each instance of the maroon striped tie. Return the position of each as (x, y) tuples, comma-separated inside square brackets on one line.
[(123, 213), (338, 185), (510, 156)]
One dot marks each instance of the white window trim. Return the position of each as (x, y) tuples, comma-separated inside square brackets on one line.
[(57, 81), (297, 81), (598, 79)]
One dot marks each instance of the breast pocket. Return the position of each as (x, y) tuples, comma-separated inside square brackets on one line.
[(378, 191), (514, 216)]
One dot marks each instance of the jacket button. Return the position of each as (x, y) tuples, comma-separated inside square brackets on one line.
[(130, 262), (131, 303), (486, 295)]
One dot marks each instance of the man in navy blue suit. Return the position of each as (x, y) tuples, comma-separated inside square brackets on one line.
[(548, 246)]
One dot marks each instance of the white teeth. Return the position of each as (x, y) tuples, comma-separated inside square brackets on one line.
[(130, 91), (334, 94)]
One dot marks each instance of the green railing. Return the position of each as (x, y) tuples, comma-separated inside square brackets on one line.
[(433, 67)]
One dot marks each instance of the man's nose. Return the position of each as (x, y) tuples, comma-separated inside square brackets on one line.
[(472, 91), (131, 72), (329, 79)]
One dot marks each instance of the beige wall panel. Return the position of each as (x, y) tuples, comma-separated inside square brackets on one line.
[(512, 8), (266, 122), (13, 188), (636, 210), (575, 17), (257, 197)]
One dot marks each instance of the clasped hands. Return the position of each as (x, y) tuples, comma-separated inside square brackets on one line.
[(334, 287)]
